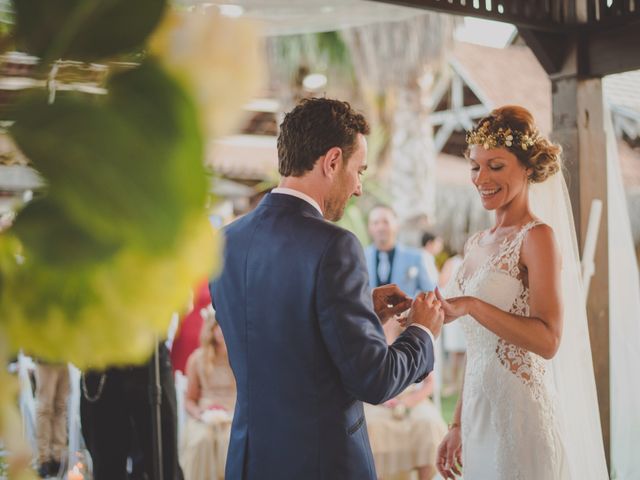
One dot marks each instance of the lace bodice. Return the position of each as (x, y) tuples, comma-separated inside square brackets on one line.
[(511, 379), (499, 281)]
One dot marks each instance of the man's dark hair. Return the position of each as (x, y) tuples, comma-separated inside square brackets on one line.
[(313, 127), (427, 237)]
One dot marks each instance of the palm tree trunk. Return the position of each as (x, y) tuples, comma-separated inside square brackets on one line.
[(411, 178), (394, 60)]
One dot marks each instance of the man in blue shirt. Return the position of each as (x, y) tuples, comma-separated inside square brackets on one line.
[(391, 262)]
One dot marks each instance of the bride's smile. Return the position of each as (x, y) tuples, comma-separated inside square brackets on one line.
[(497, 175)]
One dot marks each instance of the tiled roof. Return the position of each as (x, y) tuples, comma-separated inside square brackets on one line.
[(507, 76)]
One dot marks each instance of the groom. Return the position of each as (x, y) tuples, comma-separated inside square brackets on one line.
[(302, 330)]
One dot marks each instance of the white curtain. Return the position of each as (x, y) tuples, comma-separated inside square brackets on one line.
[(624, 333)]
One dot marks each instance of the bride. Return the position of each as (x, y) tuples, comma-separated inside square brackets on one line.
[(519, 416)]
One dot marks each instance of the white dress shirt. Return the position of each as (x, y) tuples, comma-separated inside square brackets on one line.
[(300, 195), (314, 204)]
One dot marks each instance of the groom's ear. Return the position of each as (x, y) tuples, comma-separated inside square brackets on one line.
[(331, 161)]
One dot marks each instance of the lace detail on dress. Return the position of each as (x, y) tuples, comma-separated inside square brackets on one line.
[(527, 366), (508, 257), (523, 418)]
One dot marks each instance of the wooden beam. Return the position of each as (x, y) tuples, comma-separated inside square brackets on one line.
[(598, 52), (578, 124), (456, 7), (593, 184), (565, 132), (614, 49), (550, 48), (562, 15)]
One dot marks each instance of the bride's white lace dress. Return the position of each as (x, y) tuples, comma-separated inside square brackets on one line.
[(509, 428)]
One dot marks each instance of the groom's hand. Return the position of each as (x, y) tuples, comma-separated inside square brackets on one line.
[(389, 301), (427, 311)]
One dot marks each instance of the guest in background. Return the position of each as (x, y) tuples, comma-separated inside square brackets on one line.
[(52, 393), (390, 262), (187, 338), (453, 338), (116, 408), (210, 401), (432, 246)]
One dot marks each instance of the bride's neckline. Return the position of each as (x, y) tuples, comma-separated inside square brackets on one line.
[(514, 230), (491, 258)]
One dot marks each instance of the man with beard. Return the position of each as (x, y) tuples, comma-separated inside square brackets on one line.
[(303, 329)]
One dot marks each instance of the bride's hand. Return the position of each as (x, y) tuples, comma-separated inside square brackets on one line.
[(453, 307), (449, 458)]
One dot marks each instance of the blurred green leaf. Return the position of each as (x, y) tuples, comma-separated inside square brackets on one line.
[(354, 220), (84, 29), (48, 233), (126, 167)]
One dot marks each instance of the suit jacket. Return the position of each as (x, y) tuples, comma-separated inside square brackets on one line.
[(409, 270), (305, 346)]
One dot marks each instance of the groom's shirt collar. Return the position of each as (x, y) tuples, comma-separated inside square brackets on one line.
[(300, 195)]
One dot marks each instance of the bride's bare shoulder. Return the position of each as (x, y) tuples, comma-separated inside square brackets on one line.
[(540, 245)]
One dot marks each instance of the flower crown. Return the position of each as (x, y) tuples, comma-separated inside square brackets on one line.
[(503, 137)]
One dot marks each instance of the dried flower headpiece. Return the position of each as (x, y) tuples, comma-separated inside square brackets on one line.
[(503, 137)]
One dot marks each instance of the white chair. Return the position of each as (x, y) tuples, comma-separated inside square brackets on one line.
[(181, 390)]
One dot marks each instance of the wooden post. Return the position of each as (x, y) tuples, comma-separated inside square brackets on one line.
[(593, 184), (578, 124)]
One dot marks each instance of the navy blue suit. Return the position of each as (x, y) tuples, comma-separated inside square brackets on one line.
[(305, 345)]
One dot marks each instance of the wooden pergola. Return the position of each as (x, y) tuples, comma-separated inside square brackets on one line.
[(577, 42)]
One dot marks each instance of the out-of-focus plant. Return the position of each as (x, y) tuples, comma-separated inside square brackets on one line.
[(355, 215), (216, 58), (91, 272)]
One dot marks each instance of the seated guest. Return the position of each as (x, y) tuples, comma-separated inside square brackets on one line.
[(209, 402), (405, 431)]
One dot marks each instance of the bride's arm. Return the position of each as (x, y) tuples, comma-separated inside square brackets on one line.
[(449, 456), (457, 413), (540, 332)]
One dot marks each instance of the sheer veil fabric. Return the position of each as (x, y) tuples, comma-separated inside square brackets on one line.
[(572, 371), (624, 333)]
